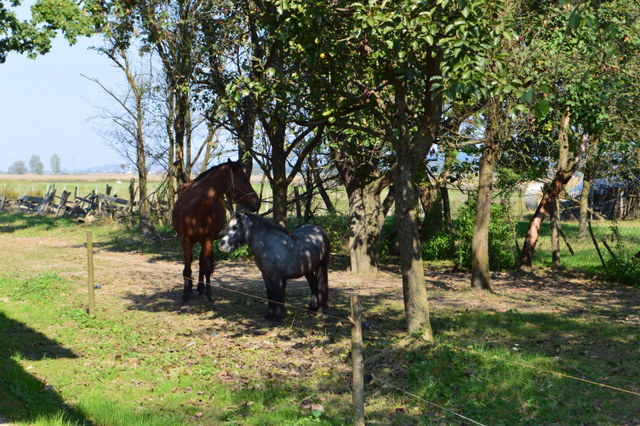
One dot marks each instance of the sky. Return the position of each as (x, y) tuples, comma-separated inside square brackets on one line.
[(47, 107)]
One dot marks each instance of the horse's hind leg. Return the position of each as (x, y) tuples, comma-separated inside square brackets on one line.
[(322, 291), (187, 252), (206, 269), (312, 279)]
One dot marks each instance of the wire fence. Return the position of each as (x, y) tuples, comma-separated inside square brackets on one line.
[(378, 379), (385, 383)]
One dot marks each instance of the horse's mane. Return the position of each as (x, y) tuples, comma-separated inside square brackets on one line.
[(268, 223), (210, 170), (214, 168)]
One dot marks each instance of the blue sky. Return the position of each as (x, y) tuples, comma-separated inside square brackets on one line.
[(47, 106)]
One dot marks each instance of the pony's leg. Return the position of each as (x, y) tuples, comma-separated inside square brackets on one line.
[(273, 284), (322, 277), (187, 253), (206, 267), (280, 307), (312, 279), (323, 286)]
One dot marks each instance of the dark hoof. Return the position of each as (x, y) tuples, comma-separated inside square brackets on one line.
[(273, 319), (200, 289)]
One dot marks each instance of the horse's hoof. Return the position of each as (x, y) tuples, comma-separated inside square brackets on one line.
[(273, 320), (184, 309)]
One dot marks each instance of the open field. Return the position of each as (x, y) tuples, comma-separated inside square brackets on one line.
[(13, 186), (142, 360)]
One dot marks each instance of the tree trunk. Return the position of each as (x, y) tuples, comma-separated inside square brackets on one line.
[(480, 274), (556, 186), (416, 304), (432, 207), (363, 183), (245, 132), (555, 234), (279, 183), (365, 224), (584, 207), (551, 194)]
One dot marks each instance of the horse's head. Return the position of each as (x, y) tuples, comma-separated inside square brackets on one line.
[(236, 234), (240, 189)]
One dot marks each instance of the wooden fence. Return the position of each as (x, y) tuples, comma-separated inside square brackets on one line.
[(71, 204)]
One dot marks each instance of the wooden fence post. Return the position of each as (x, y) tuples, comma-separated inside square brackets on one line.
[(92, 297), (358, 362), (132, 196)]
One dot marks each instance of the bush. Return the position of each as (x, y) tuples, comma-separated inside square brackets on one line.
[(624, 270), (439, 247), (501, 249), (336, 226)]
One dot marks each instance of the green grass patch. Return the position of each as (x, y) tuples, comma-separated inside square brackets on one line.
[(495, 368), (128, 365), (58, 365)]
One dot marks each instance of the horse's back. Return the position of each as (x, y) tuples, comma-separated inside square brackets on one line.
[(312, 236)]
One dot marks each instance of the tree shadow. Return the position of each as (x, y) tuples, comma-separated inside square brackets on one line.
[(478, 367), (23, 397), (12, 222)]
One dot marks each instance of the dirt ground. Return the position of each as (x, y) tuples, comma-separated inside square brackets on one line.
[(152, 280)]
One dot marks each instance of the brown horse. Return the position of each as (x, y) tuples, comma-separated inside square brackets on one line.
[(199, 215)]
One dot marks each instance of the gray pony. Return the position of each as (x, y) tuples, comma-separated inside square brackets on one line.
[(281, 255)]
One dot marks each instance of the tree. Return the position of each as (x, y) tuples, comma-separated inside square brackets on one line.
[(360, 159), (404, 57), (35, 165), (18, 168), (583, 87), (54, 162), (34, 36), (130, 125)]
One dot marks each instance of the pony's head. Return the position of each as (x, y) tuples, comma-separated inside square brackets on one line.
[(236, 234)]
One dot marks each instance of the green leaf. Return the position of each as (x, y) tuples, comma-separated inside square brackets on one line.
[(527, 96), (574, 19), (542, 109)]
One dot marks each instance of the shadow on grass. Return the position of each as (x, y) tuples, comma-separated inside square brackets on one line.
[(23, 397), (12, 222), (477, 368)]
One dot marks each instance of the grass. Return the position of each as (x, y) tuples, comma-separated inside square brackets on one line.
[(14, 187), (126, 365), (622, 237), (121, 369)]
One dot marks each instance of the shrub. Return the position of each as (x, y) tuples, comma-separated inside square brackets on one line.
[(336, 226), (624, 270), (501, 248), (439, 247)]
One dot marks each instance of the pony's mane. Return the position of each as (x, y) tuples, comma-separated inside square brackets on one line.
[(267, 223), (211, 170)]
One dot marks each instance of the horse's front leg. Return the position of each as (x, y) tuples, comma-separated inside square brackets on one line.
[(206, 268), (201, 272), (274, 302), (187, 253)]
